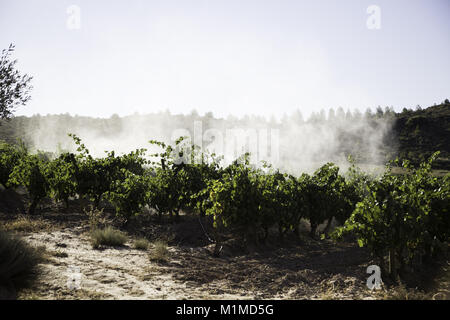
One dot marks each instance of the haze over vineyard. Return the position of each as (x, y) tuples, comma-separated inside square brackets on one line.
[(292, 144)]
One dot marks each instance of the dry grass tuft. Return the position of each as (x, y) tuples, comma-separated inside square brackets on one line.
[(107, 237), (26, 224), (18, 263), (160, 252), (97, 218), (141, 244), (401, 292)]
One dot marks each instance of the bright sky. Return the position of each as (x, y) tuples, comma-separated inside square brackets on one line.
[(228, 56)]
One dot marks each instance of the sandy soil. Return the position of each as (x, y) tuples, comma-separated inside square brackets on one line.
[(292, 269), (110, 273), (309, 271)]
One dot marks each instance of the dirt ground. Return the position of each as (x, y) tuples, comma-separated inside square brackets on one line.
[(193, 273), (300, 269)]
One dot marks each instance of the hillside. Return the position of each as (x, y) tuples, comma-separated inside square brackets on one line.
[(420, 133)]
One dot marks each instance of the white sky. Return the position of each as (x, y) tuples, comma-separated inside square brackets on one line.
[(229, 56)]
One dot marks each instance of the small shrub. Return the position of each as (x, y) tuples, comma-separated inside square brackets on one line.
[(141, 244), (61, 177), (107, 237), (160, 253), (129, 194), (9, 157), (96, 218), (26, 224), (18, 262), (30, 172)]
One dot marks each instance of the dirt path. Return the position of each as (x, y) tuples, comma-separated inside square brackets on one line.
[(111, 273), (311, 271)]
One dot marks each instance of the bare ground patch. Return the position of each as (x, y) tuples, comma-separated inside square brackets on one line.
[(192, 273), (300, 269)]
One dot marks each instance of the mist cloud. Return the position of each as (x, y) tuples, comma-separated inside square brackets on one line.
[(291, 144)]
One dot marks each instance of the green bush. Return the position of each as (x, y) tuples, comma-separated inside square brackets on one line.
[(30, 172), (96, 177), (9, 158), (402, 217), (325, 195), (129, 195), (61, 178), (107, 237), (235, 199)]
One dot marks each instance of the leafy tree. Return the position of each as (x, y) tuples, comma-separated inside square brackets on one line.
[(368, 114), (340, 114), (379, 113), (14, 87)]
